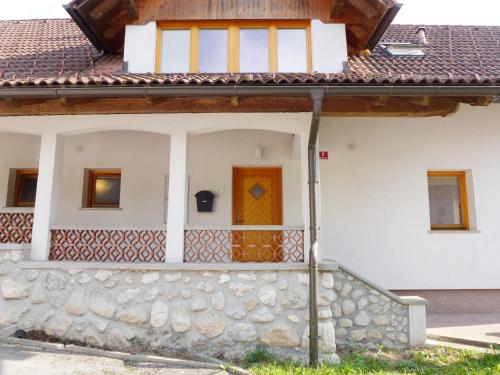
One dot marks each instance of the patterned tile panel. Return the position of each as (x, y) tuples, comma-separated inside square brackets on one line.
[(222, 246), (15, 227), (138, 246)]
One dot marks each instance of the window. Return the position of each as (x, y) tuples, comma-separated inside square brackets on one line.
[(448, 200), (23, 187), (102, 188), (175, 51), (245, 46)]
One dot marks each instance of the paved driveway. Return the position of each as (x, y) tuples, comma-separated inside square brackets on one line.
[(15, 360), (475, 327)]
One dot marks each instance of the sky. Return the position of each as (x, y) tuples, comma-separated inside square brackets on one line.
[(453, 12)]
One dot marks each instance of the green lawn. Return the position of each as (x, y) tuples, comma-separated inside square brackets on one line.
[(428, 361)]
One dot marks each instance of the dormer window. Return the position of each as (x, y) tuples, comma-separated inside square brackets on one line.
[(215, 47)]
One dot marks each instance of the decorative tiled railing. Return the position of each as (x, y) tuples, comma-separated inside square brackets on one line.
[(244, 244), (15, 227), (111, 245)]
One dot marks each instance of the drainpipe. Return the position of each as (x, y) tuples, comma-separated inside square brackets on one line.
[(317, 97)]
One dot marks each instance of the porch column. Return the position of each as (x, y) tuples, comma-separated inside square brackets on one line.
[(176, 214), (49, 170)]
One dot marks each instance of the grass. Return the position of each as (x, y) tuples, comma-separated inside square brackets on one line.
[(426, 361)]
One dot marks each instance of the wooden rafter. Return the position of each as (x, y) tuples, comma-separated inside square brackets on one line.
[(131, 8)]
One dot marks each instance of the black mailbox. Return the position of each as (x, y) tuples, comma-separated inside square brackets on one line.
[(205, 201)]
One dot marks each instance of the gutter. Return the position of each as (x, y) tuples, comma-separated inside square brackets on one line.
[(240, 90)]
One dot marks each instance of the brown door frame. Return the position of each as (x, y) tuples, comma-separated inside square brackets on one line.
[(277, 204)]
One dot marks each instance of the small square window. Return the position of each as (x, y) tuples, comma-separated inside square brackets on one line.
[(103, 188), (24, 189), (448, 200)]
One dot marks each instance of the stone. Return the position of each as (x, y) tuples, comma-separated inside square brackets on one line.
[(38, 294), (205, 286), (187, 280), (374, 334), (248, 276), (375, 309), (13, 289), (5, 269), (362, 319), (402, 338), (100, 304), (295, 298), (250, 304), (326, 334), (210, 325), (99, 324), (103, 275), (83, 278), (267, 295), (116, 339), (218, 301), (283, 285), (270, 277), (92, 338), (380, 320), (325, 298), (57, 326), (76, 303), (348, 307), (336, 310), (282, 336), (172, 295), (181, 321), (293, 318), (150, 278), (56, 299), (152, 293), (303, 278), (55, 281), (129, 280), (133, 314), (172, 276), (243, 332), (236, 313), (224, 278), (324, 313), (346, 289), (31, 275), (186, 294), (241, 289), (362, 303), (12, 314), (358, 293), (198, 304), (206, 274), (159, 314), (345, 323), (111, 283), (341, 332), (327, 280), (358, 335), (127, 295), (262, 315), (74, 271), (373, 299)]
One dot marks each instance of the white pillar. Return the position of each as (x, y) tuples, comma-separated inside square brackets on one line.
[(176, 214), (49, 170), (304, 178)]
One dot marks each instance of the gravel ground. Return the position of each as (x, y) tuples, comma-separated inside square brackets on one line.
[(16, 360)]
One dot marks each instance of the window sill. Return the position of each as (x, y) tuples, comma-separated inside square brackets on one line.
[(100, 208), (469, 231)]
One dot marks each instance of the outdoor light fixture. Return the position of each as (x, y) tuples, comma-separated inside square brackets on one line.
[(258, 153)]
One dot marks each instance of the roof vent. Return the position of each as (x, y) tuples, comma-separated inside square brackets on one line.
[(421, 37)]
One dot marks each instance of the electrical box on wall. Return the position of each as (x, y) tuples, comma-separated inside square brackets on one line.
[(205, 201)]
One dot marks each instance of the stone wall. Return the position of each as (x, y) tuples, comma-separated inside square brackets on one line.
[(202, 308)]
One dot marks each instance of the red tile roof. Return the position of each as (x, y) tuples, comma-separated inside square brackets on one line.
[(55, 52)]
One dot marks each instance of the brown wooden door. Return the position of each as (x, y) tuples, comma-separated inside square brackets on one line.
[(257, 200)]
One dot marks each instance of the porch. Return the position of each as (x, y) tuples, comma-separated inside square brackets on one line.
[(152, 214)]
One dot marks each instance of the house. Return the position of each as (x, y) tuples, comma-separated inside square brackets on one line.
[(163, 179)]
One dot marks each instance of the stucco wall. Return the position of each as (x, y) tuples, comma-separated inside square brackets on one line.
[(375, 208), (16, 151)]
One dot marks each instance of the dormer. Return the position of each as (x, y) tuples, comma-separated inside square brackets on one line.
[(235, 36)]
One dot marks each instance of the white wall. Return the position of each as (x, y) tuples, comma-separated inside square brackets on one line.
[(16, 151), (144, 161), (329, 47), (375, 209), (140, 48), (212, 157)]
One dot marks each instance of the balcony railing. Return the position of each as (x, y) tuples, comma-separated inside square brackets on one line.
[(15, 226), (108, 245), (244, 244)]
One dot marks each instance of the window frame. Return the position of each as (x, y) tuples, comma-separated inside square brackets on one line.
[(20, 176), (93, 174), (464, 203), (233, 27)]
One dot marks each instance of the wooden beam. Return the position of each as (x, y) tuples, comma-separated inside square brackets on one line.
[(337, 8), (131, 8)]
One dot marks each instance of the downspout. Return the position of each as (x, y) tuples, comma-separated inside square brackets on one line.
[(317, 97)]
